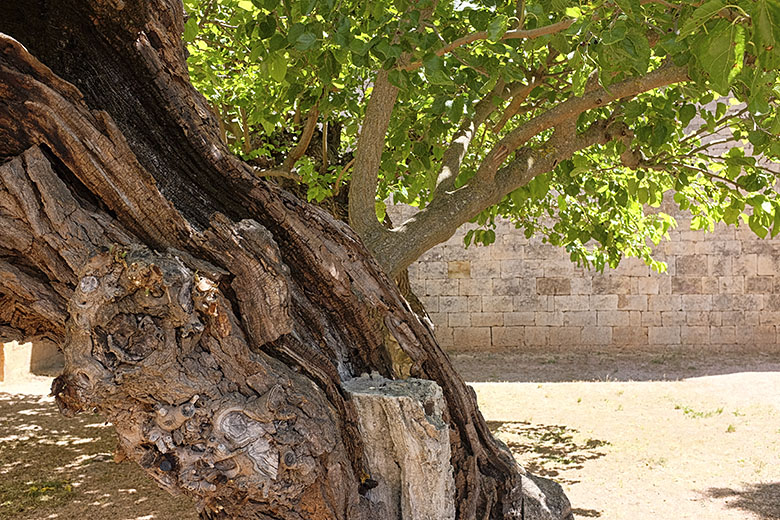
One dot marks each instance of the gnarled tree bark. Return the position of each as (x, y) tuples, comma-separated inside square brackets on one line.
[(217, 321)]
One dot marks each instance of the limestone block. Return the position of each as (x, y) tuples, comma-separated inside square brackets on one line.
[(512, 319), (759, 284), (686, 285), (612, 284), (670, 318), (487, 319), (695, 335), (439, 319), (696, 302), (532, 302), (431, 303), (664, 335), (486, 269), (703, 318), (664, 302), (553, 286), (752, 318), (475, 287), (691, 265), (719, 265), (547, 318), (475, 303), (612, 318), (710, 285), (648, 285), (632, 267), (579, 318), (579, 302), (731, 284), (769, 317), (441, 287), (541, 251), (596, 335), (508, 252), (743, 302), (746, 265), (651, 318), (768, 265), (632, 302), (459, 269), (453, 304), (445, 337), (407, 446), (513, 286), (459, 319), (564, 336), (536, 336), (471, 337), (725, 335), (508, 336), (497, 303), (581, 285), (629, 335), (604, 302), (435, 270)]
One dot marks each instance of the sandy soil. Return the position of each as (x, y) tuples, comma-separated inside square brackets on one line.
[(687, 439)]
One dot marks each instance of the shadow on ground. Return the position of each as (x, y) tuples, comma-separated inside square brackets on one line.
[(607, 365), (548, 450), (59, 468), (763, 500)]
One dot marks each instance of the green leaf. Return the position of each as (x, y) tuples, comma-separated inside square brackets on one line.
[(717, 54), (776, 221), (246, 5), (756, 226), (305, 41), (479, 19), (190, 29), (497, 28), (700, 17), (766, 25), (266, 27), (381, 210), (277, 67), (686, 114)]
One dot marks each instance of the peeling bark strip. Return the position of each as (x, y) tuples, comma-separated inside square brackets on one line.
[(211, 317)]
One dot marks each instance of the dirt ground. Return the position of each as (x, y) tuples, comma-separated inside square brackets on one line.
[(630, 436)]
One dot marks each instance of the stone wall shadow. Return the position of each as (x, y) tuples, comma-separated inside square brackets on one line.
[(607, 365)]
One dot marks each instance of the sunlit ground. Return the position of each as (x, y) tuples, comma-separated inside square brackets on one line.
[(702, 447)]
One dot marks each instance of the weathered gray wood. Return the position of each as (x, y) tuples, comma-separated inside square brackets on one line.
[(407, 446)]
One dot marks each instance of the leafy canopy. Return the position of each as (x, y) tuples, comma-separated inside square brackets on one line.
[(265, 65)]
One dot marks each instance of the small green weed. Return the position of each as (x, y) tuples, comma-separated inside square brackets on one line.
[(695, 414), (18, 497)]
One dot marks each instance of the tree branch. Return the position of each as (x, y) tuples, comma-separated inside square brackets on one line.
[(570, 109), (442, 217), (453, 156), (306, 135), (368, 158), (515, 34)]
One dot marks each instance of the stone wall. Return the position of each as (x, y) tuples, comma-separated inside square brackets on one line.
[(722, 289)]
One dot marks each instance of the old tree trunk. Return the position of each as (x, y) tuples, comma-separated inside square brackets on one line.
[(223, 326)]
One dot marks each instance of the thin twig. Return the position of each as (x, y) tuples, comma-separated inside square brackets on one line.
[(515, 34)]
